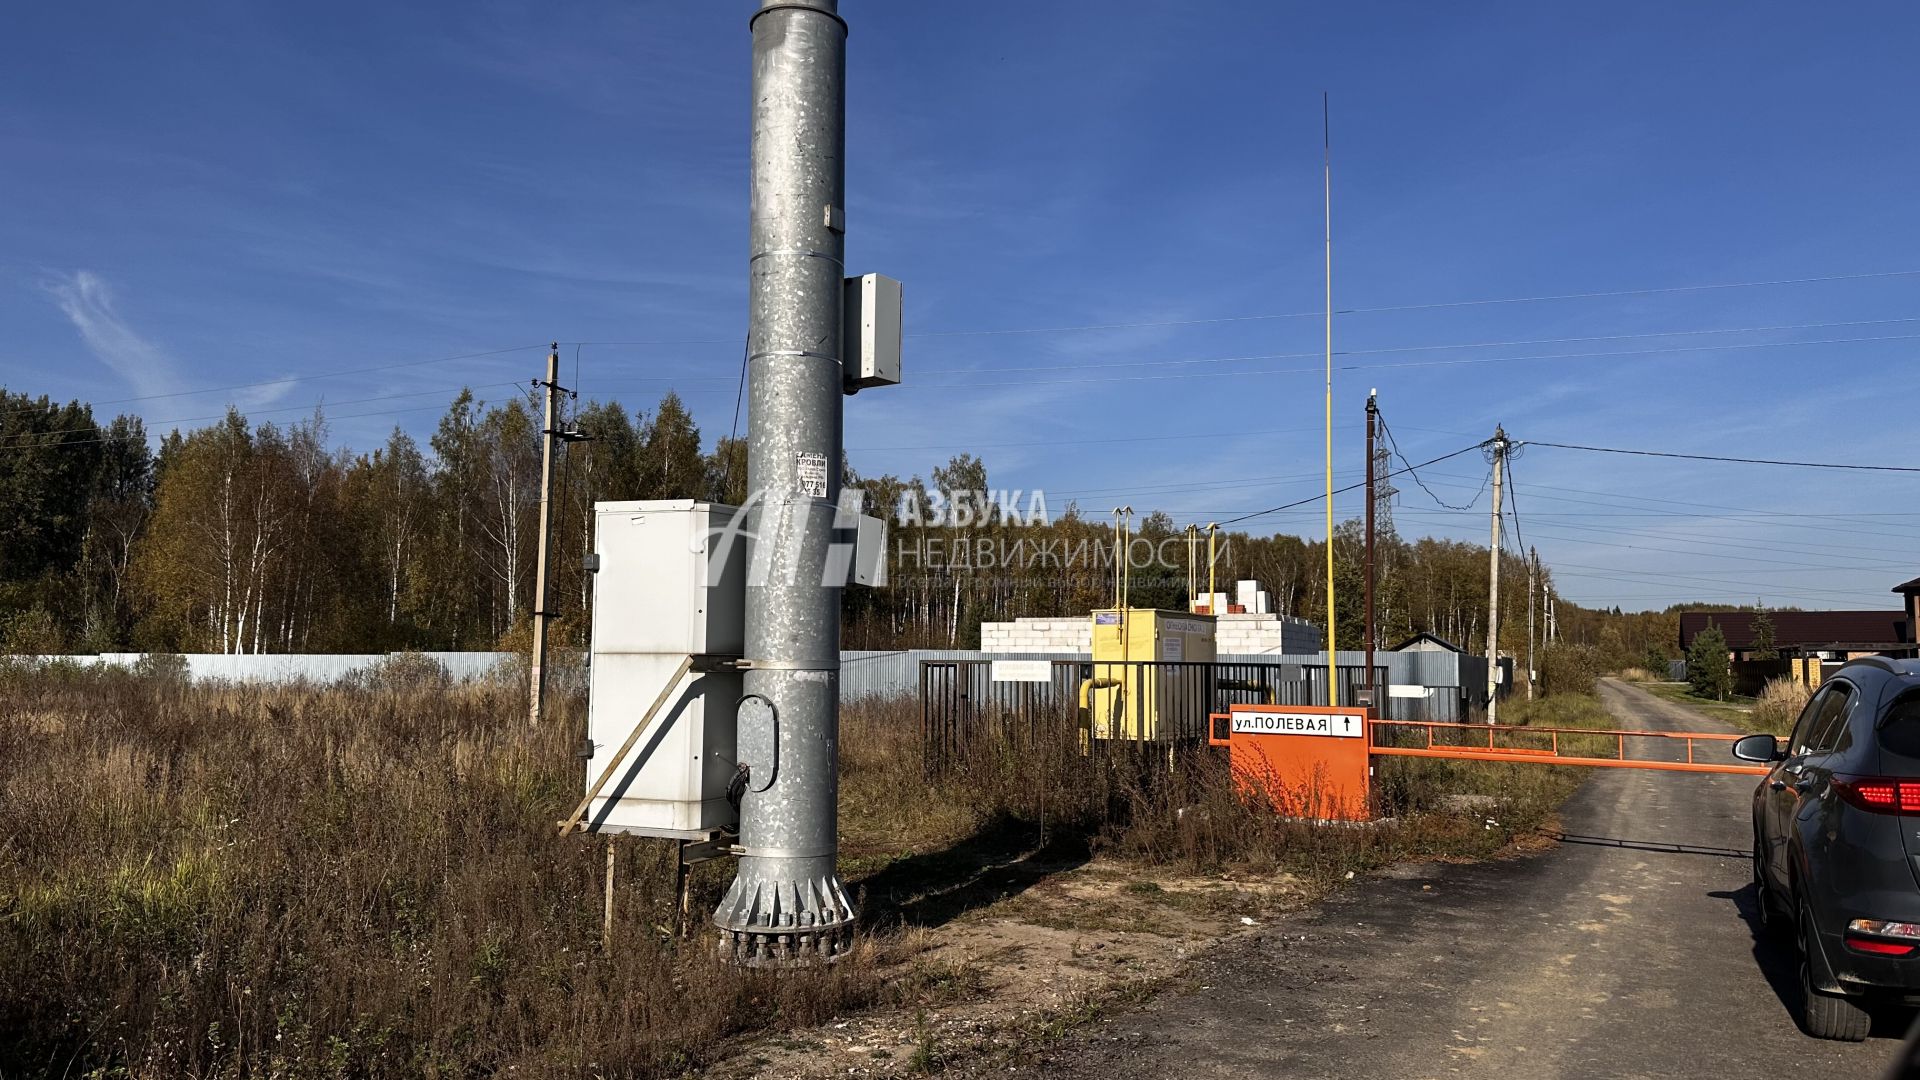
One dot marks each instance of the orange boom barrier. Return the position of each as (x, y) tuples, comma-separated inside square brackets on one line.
[(1494, 750), (1314, 761)]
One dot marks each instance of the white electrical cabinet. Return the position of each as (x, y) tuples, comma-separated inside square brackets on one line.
[(669, 582)]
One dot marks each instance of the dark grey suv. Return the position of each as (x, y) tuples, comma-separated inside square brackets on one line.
[(1836, 842)]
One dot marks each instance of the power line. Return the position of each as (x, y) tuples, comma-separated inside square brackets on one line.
[(23, 440), (320, 375), (1392, 366), (1639, 336), (1828, 552), (1827, 518), (113, 438), (1086, 442), (1426, 307), (1349, 487), (1683, 580), (662, 342), (1513, 498), (1416, 476), (397, 365), (1733, 460), (739, 392), (1741, 516)]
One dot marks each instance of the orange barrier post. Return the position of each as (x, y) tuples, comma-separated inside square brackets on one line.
[(1309, 761)]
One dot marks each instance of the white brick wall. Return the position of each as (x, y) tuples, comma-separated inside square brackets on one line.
[(1038, 635), (1234, 634)]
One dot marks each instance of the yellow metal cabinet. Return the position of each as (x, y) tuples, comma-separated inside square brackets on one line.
[(1129, 698)]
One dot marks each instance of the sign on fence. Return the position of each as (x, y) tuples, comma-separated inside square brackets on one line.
[(1023, 671)]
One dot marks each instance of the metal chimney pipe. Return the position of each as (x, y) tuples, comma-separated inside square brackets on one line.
[(787, 904)]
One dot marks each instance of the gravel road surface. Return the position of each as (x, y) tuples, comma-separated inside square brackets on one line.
[(1625, 951)]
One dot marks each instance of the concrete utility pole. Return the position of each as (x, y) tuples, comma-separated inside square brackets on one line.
[(786, 904), (1373, 413), (1493, 581), (1533, 580), (549, 433)]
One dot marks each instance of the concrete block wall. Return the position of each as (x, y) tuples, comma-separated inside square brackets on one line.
[(1051, 635), (1248, 634), (1234, 634)]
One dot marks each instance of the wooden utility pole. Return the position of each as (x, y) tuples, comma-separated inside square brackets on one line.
[(1493, 581), (1533, 583), (549, 434), (1373, 413)]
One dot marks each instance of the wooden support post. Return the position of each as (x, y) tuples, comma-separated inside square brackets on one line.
[(606, 924), (681, 883)]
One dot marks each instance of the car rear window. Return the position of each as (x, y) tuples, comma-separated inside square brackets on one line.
[(1900, 728)]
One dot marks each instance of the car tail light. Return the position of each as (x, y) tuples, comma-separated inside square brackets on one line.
[(1881, 938), (1881, 794)]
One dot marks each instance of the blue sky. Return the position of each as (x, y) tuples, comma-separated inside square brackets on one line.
[(199, 198)]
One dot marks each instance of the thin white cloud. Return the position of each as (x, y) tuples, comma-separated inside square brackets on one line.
[(259, 397), (87, 301)]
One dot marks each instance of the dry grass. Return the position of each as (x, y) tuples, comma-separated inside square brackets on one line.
[(362, 880), (1779, 705), (319, 882), (1188, 814)]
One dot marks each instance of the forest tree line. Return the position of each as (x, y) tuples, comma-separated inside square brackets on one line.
[(246, 538)]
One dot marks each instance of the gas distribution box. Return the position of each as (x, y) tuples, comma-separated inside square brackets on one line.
[(670, 583), (1152, 675)]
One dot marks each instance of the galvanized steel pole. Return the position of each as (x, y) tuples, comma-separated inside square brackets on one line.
[(787, 905)]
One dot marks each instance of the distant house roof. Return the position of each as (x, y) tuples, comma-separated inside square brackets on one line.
[(1805, 629), (1426, 641)]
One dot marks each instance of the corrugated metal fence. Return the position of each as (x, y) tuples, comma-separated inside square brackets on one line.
[(296, 667), (1446, 684)]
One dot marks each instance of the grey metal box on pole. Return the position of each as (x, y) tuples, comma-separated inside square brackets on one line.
[(872, 321)]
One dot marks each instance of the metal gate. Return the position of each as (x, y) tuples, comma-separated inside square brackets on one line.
[(965, 709), (963, 705)]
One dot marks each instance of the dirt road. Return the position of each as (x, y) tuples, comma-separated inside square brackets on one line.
[(1625, 951)]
